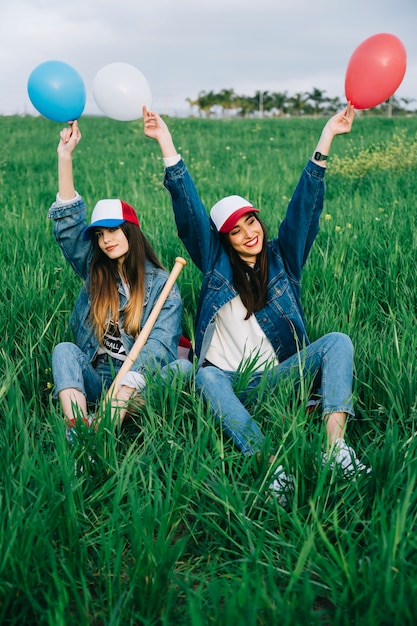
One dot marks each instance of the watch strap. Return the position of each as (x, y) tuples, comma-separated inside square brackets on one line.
[(318, 156)]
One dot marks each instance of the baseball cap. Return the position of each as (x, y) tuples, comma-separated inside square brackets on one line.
[(108, 214), (227, 212)]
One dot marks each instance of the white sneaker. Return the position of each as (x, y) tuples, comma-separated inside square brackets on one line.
[(281, 486), (344, 457)]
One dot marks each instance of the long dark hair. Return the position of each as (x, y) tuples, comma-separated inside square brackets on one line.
[(251, 282), (104, 276)]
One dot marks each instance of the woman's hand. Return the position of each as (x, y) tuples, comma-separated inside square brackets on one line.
[(341, 122), (337, 125), (69, 137), (153, 125), (155, 128)]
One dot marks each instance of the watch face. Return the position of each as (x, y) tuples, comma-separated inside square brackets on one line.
[(319, 156)]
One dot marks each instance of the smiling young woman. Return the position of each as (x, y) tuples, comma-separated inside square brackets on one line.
[(250, 317)]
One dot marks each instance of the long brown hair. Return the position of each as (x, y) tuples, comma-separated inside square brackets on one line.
[(104, 276), (251, 282)]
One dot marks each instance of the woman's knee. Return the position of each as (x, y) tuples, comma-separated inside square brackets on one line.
[(208, 376), (342, 343), (67, 368), (64, 350), (180, 367)]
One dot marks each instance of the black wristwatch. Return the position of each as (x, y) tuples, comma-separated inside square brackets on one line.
[(318, 156)]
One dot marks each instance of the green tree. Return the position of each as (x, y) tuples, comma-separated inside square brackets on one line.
[(280, 102), (317, 98), (205, 102), (298, 104), (226, 99)]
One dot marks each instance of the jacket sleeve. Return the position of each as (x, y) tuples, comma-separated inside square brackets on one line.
[(192, 220), (69, 223), (301, 223)]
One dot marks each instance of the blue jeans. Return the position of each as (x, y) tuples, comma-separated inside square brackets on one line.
[(331, 357), (71, 368)]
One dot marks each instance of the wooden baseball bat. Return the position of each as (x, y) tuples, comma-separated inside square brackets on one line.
[(145, 332)]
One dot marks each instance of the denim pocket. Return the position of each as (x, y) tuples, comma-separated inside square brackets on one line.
[(281, 299)]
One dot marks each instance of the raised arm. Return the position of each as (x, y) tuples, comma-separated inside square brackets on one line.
[(155, 128), (191, 217), (300, 225), (69, 138), (69, 211), (337, 125)]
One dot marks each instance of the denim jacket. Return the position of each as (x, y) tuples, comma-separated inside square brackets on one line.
[(282, 317), (162, 344)]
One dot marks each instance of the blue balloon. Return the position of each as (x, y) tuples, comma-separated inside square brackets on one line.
[(57, 91)]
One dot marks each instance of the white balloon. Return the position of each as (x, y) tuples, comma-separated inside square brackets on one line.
[(120, 91)]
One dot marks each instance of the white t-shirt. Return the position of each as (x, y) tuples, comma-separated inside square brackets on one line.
[(236, 340)]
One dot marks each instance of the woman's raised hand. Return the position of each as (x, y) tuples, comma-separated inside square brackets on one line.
[(155, 128), (69, 137), (153, 125), (342, 122)]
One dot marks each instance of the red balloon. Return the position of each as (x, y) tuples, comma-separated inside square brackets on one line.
[(375, 71)]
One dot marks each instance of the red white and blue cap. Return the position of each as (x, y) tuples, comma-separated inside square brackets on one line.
[(227, 212), (108, 214)]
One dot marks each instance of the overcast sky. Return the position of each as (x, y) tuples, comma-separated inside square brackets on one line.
[(187, 46)]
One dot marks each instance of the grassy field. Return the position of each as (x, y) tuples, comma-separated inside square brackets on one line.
[(168, 523)]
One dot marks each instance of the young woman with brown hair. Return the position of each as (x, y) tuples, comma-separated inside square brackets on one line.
[(122, 279)]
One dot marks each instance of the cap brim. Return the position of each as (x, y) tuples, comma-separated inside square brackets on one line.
[(89, 230), (233, 219)]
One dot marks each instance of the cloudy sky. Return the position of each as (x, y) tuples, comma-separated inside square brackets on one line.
[(187, 46)]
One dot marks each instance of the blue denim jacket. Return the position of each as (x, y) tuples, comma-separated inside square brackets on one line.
[(162, 344), (282, 318)]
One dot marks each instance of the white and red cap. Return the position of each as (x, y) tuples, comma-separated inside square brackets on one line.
[(227, 212), (108, 214)]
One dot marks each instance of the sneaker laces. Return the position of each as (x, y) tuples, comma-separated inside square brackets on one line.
[(343, 456)]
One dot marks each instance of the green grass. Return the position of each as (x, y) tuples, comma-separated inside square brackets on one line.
[(168, 523)]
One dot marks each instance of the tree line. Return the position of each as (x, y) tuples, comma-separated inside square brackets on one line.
[(227, 103)]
